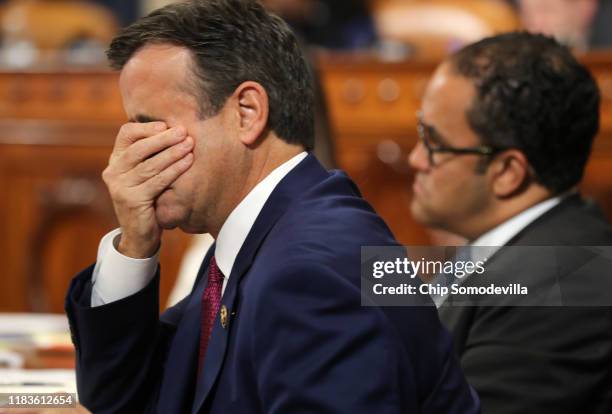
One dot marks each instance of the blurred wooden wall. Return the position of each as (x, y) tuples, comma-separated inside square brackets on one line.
[(57, 129)]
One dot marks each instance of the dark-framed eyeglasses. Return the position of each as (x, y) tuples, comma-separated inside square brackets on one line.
[(433, 147)]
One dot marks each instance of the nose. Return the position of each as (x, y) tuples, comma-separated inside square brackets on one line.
[(418, 158)]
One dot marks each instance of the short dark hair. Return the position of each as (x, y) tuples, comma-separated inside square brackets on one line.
[(232, 41), (532, 94)]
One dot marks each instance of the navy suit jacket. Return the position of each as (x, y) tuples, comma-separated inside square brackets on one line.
[(298, 339)]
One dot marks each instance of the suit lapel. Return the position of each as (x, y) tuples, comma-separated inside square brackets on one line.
[(306, 174)]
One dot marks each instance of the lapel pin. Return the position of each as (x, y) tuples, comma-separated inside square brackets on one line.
[(223, 316)]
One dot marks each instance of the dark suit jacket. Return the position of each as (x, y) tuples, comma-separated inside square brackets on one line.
[(541, 359), (298, 340)]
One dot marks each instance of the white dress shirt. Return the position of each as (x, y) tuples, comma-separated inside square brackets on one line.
[(491, 241), (116, 276), (188, 269)]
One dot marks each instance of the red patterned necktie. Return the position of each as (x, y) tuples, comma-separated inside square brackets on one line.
[(211, 300)]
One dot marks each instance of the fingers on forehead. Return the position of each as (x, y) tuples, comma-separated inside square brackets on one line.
[(142, 129)]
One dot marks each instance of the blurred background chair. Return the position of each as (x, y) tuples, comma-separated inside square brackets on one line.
[(435, 28), (79, 30), (580, 24)]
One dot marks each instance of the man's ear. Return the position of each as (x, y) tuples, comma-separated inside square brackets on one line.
[(510, 172), (252, 111)]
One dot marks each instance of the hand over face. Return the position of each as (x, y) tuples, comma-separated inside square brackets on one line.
[(146, 160)]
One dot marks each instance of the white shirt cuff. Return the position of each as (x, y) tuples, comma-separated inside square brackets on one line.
[(116, 276)]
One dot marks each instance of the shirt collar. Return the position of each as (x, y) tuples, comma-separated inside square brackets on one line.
[(234, 231), (501, 234)]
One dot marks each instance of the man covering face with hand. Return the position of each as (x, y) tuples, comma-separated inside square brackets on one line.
[(220, 107)]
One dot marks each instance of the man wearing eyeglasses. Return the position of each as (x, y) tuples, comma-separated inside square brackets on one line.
[(506, 129)]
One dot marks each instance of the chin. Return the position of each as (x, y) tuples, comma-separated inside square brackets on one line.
[(420, 214), (168, 212), (168, 226), (169, 217), (167, 221)]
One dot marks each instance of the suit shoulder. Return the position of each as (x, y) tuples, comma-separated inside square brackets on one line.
[(573, 222), (334, 210)]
